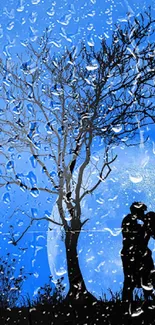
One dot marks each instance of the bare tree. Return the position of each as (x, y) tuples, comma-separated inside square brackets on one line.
[(56, 107)]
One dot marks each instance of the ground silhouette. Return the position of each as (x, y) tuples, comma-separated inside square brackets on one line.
[(77, 313)]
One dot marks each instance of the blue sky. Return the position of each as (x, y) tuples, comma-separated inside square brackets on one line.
[(70, 23)]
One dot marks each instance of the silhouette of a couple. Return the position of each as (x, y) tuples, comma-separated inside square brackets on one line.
[(138, 266)]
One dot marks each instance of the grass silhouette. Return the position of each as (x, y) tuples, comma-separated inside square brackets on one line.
[(55, 310), (50, 307)]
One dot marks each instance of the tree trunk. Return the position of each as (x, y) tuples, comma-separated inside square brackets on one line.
[(77, 287)]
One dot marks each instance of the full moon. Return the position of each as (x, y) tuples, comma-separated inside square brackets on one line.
[(131, 179)]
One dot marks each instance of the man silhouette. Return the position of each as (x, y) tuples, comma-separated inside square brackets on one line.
[(136, 256)]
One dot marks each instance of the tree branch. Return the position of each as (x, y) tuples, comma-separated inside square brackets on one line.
[(15, 242), (101, 178)]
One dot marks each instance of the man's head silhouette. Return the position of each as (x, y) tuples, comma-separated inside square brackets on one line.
[(138, 209)]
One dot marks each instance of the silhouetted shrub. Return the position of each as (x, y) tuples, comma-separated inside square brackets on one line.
[(50, 294), (10, 284)]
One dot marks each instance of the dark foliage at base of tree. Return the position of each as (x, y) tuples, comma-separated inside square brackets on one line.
[(52, 308), (10, 282), (49, 295), (109, 313)]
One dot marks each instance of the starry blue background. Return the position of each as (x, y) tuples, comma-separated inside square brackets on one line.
[(72, 22)]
